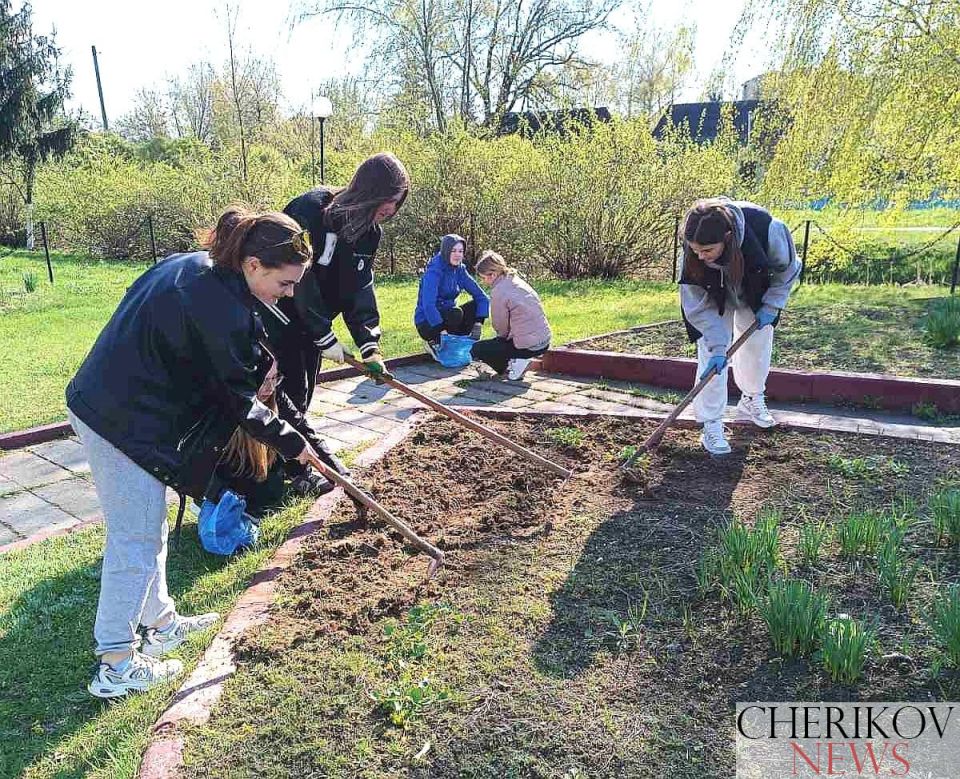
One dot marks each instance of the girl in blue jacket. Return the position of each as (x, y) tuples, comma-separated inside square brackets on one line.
[(442, 282)]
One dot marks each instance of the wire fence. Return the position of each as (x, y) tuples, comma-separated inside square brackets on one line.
[(827, 254)]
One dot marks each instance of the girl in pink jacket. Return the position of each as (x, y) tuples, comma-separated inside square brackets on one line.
[(517, 317)]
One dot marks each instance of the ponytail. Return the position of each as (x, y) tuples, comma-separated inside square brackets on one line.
[(242, 232)]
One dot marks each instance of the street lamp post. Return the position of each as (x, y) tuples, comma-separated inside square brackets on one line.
[(323, 110), (313, 153)]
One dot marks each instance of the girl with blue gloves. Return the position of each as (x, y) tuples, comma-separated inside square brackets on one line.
[(442, 282), (738, 265)]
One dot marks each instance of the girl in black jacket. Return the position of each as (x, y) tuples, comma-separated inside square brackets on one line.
[(159, 395)]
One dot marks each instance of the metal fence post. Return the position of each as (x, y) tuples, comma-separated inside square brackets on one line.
[(46, 250), (676, 249), (153, 243), (956, 268), (806, 244)]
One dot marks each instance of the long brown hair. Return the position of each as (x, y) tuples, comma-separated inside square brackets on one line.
[(710, 221), (242, 232), (246, 456), (379, 179)]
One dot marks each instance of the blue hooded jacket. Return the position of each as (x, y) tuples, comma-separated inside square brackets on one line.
[(442, 283)]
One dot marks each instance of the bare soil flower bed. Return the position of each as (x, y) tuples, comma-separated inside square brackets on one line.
[(594, 648)]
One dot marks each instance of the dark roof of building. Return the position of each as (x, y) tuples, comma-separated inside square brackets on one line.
[(703, 119), (550, 121)]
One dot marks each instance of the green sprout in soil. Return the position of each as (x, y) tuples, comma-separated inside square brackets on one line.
[(743, 560), (943, 619), (945, 508), (868, 468), (571, 437), (813, 537), (844, 644), (895, 572), (795, 615), (861, 532), (626, 631), (409, 699)]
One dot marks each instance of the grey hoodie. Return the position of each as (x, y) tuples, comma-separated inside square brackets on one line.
[(785, 266)]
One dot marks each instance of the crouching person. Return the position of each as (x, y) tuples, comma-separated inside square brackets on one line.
[(442, 282), (518, 319)]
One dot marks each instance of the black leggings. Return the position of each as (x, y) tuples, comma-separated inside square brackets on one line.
[(458, 320), (497, 352)]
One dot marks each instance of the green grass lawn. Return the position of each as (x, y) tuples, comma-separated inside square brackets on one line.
[(49, 725), (831, 327), (50, 330), (46, 333)]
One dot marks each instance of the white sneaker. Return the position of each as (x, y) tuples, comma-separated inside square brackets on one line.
[(713, 439), (158, 643), (517, 367), (139, 673), (432, 350), (754, 408)]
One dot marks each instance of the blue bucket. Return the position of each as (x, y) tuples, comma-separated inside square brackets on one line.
[(455, 350)]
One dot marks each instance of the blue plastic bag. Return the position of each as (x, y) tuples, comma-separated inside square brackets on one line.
[(455, 350), (224, 527)]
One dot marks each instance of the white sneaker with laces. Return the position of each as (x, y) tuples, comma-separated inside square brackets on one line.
[(137, 674), (517, 367), (713, 439), (754, 408), (431, 350), (158, 643)]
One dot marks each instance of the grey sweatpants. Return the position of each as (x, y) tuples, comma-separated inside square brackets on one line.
[(133, 584), (751, 365)]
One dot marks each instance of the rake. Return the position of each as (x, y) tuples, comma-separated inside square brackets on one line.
[(456, 416), (657, 435)]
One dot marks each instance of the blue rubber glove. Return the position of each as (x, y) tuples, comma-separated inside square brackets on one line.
[(717, 363), (766, 317)]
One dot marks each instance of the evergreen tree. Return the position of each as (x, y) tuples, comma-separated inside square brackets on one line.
[(33, 126)]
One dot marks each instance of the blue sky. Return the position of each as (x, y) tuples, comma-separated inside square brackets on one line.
[(140, 44)]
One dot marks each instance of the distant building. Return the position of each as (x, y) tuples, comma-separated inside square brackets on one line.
[(702, 120), (530, 122)]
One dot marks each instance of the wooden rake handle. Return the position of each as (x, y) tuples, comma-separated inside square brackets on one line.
[(654, 440), (456, 416)]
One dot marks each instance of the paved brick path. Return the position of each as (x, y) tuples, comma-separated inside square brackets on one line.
[(46, 488)]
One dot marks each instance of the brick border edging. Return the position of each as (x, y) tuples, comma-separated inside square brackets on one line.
[(195, 699), (896, 393), (18, 439)]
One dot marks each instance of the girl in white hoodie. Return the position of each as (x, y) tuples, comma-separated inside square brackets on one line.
[(738, 266)]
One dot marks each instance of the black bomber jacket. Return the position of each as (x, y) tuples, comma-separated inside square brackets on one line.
[(176, 370)]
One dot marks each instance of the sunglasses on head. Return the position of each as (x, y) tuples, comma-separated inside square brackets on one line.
[(300, 242)]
